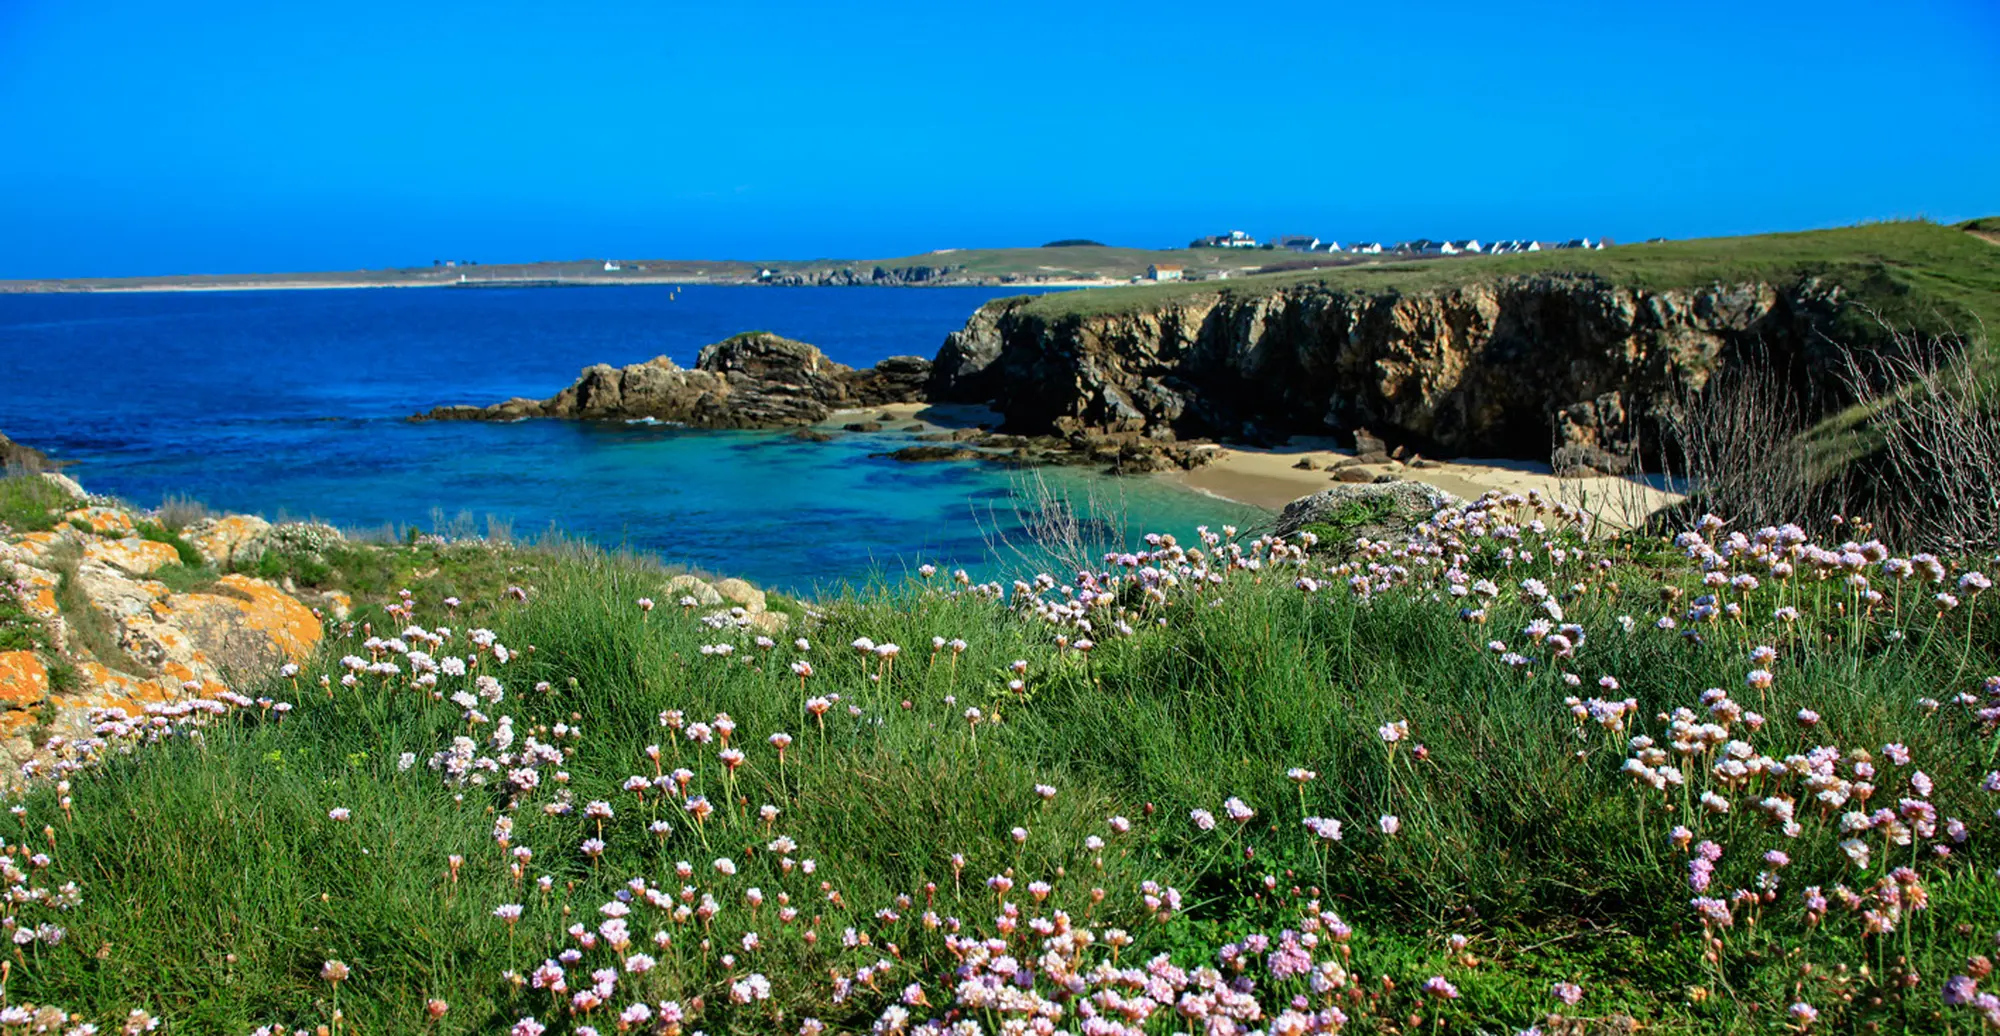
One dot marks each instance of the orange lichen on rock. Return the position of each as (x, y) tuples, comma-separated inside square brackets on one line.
[(24, 681), (132, 555), (220, 539), (102, 520)]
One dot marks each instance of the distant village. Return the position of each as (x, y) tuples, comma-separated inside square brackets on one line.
[(1309, 245)]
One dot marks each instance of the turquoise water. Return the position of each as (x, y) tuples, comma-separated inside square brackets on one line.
[(291, 404)]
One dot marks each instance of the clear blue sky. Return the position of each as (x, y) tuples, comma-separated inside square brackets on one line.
[(155, 137)]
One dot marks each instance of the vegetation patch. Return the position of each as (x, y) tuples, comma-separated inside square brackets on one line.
[(30, 503), (1505, 777)]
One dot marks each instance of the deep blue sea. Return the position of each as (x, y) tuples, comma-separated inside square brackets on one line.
[(292, 404)]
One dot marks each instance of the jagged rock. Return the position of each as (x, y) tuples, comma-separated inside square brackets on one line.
[(221, 539), (736, 591), (755, 380), (1367, 442), (1392, 508)]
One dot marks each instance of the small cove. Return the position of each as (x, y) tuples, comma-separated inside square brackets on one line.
[(292, 404)]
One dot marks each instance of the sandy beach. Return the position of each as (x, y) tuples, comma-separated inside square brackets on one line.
[(1272, 479)]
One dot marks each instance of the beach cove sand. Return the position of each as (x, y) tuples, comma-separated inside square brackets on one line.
[(1271, 479)]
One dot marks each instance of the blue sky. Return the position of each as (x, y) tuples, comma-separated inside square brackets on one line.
[(210, 136)]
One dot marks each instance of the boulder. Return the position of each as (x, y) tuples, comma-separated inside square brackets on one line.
[(736, 591), (220, 540), (681, 586), (1377, 510), (862, 426), (812, 435), (246, 626)]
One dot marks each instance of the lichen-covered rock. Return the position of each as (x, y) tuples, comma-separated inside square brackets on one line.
[(114, 593), (131, 555), (105, 521), (24, 680), (220, 540), (247, 626)]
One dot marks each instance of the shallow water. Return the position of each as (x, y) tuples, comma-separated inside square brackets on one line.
[(292, 403)]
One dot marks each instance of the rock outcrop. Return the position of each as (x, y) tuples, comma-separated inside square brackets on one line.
[(16, 456), (124, 640), (754, 380), (1516, 366)]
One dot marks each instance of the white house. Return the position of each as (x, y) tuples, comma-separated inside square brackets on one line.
[(1299, 243), (611, 267), (1366, 248), (1164, 272), (1470, 246)]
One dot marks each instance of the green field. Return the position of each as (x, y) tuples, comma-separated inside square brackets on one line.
[(1914, 274)]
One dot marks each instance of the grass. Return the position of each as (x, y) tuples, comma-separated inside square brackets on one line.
[(1914, 274), (30, 503), (216, 880), (89, 628)]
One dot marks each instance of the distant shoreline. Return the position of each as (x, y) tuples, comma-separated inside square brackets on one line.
[(67, 288)]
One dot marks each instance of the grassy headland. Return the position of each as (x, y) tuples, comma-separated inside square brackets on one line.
[(1916, 275), (1711, 785)]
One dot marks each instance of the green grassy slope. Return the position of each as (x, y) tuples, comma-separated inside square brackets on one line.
[(217, 874), (1914, 274)]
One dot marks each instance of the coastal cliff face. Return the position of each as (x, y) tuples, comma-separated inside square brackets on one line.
[(753, 380), (1513, 367)]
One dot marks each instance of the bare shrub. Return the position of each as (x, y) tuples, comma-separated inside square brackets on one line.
[(1057, 529), (1939, 428), (1736, 442), (178, 512)]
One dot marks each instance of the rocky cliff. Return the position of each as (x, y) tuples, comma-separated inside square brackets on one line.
[(754, 380), (1509, 367)]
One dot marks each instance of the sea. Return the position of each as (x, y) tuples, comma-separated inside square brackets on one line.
[(294, 404)]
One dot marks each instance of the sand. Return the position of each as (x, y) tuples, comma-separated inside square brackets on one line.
[(1268, 478)]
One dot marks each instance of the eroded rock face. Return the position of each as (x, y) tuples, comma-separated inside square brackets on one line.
[(753, 380), (1513, 367)]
